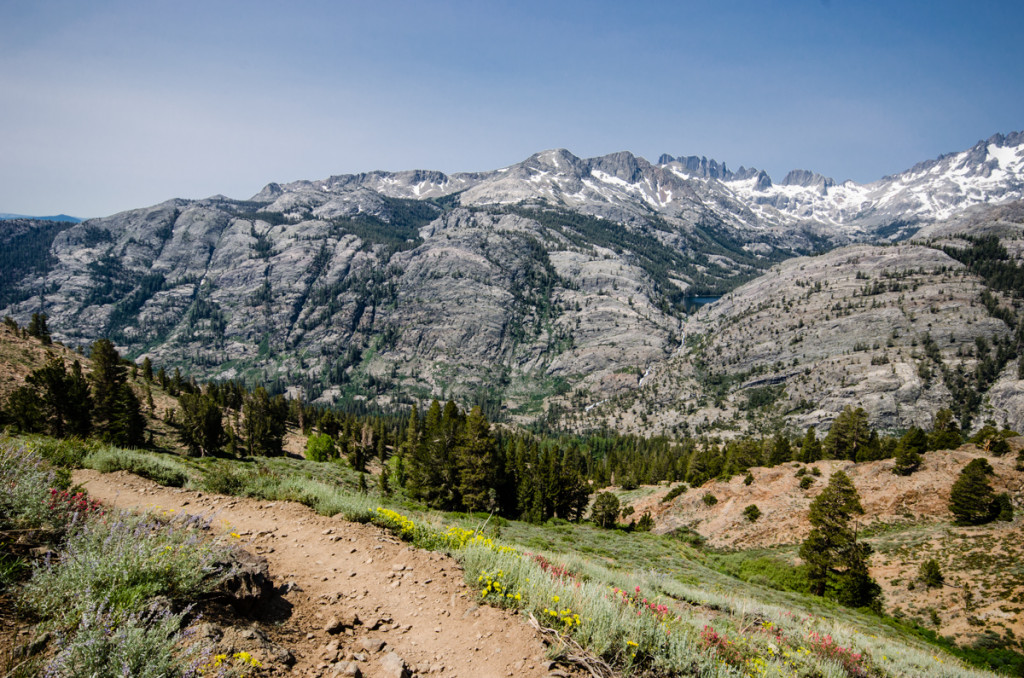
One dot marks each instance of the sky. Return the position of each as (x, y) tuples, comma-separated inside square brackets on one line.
[(110, 105)]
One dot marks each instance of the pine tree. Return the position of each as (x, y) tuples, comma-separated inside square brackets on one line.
[(971, 499), (909, 450), (116, 412), (836, 562), (107, 377), (810, 450), (605, 510), (424, 477), (264, 424), (477, 458), (849, 436), (930, 574), (37, 328), (79, 411), (781, 450), (573, 491), (127, 428), (63, 399), (22, 410), (202, 424), (147, 369), (945, 434)]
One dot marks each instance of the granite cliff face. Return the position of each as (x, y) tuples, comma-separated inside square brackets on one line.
[(557, 276), (899, 330)]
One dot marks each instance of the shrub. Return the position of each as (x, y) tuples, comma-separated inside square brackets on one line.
[(815, 471), (26, 479), (1004, 507), (122, 562), (709, 499), (930, 574), (687, 535), (675, 492), (320, 447), (748, 479), (806, 482), (222, 479), (646, 522), (66, 452), (107, 643), (162, 471), (752, 513)]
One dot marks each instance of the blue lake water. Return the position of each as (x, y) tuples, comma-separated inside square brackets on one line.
[(697, 302)]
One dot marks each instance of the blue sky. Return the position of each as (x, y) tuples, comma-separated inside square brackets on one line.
[(110, 105)]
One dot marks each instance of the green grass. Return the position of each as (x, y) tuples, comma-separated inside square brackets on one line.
[(753, 599)]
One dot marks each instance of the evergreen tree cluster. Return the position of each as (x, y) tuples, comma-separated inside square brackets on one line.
[(63, 402)]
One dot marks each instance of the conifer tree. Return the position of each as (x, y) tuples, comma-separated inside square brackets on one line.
[(971, 499), (63, 398), (605, 509), (810, 450), (37, 328), (850, 436), (946, 433), (128, 426), (147, 369), (108, 376), (911, 446), (781, 451), (477, 459), (22, 410), (424, 475), (264, 424), (202, 425), (836, 562), (116, 412)]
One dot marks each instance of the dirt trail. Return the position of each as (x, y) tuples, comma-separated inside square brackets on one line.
[(422, 610)]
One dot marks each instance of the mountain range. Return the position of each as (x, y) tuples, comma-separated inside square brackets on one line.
[(558, 287), (55, 217)]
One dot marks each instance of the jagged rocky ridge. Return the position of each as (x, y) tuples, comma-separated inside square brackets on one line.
[(555, 275)]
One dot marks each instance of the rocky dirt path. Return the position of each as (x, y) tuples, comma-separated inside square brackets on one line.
[(412, 605)]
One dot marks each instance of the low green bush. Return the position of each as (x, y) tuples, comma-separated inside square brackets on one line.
[(222, 479), (675, 492), (64, 452), (158, 469), (108, 643), (121, 562)]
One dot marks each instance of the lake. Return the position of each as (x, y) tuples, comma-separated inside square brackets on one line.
[(697, 302)]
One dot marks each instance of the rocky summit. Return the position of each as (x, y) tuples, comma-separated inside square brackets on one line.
[(551, 287)]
